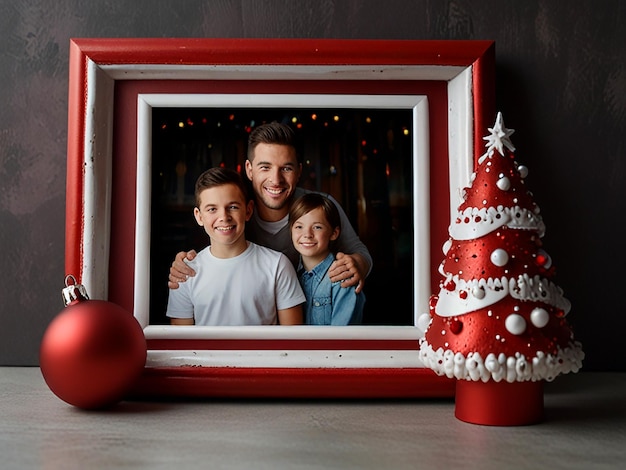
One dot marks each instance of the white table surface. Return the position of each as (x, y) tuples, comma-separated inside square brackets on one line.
[(585, 428)]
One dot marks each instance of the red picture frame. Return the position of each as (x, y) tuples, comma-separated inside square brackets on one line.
[(449, 85)]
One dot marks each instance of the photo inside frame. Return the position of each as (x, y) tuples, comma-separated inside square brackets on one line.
[(362, 157)]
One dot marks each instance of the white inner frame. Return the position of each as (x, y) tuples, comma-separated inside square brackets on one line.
[(97, 198), (420, 156)]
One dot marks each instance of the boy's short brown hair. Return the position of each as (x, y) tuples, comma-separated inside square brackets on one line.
[(218, 176)]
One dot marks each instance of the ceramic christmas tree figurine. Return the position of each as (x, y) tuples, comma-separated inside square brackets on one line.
[(498, 324)]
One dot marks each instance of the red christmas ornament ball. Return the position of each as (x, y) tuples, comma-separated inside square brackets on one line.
[(92, 353)]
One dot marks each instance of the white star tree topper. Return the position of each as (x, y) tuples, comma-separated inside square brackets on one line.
[(499, 138)]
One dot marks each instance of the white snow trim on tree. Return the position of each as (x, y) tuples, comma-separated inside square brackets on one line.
[(516, 368), (482, 293), (475, 223)]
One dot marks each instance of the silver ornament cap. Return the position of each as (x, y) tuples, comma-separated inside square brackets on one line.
[(73, 291)]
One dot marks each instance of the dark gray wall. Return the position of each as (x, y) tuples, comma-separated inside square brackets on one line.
[(561, 83)]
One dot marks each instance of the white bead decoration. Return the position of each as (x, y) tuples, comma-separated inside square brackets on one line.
[(523, 171), (539, 317), (499, 257), (504, 183), (515, 324), (478, 292)]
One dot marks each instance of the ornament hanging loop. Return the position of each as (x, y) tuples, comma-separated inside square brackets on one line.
[(73, 292)]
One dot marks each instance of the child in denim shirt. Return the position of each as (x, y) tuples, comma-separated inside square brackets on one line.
[(315, 224)]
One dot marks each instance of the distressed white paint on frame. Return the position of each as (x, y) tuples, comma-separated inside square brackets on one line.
[(97, 200), (275, 358)]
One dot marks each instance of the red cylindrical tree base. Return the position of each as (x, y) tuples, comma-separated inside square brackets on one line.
[(499, 403)]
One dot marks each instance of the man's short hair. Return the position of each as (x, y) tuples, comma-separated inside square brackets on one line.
[(270, 133)]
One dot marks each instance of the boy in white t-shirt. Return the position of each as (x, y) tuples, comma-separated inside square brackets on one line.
[(237, 281)]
